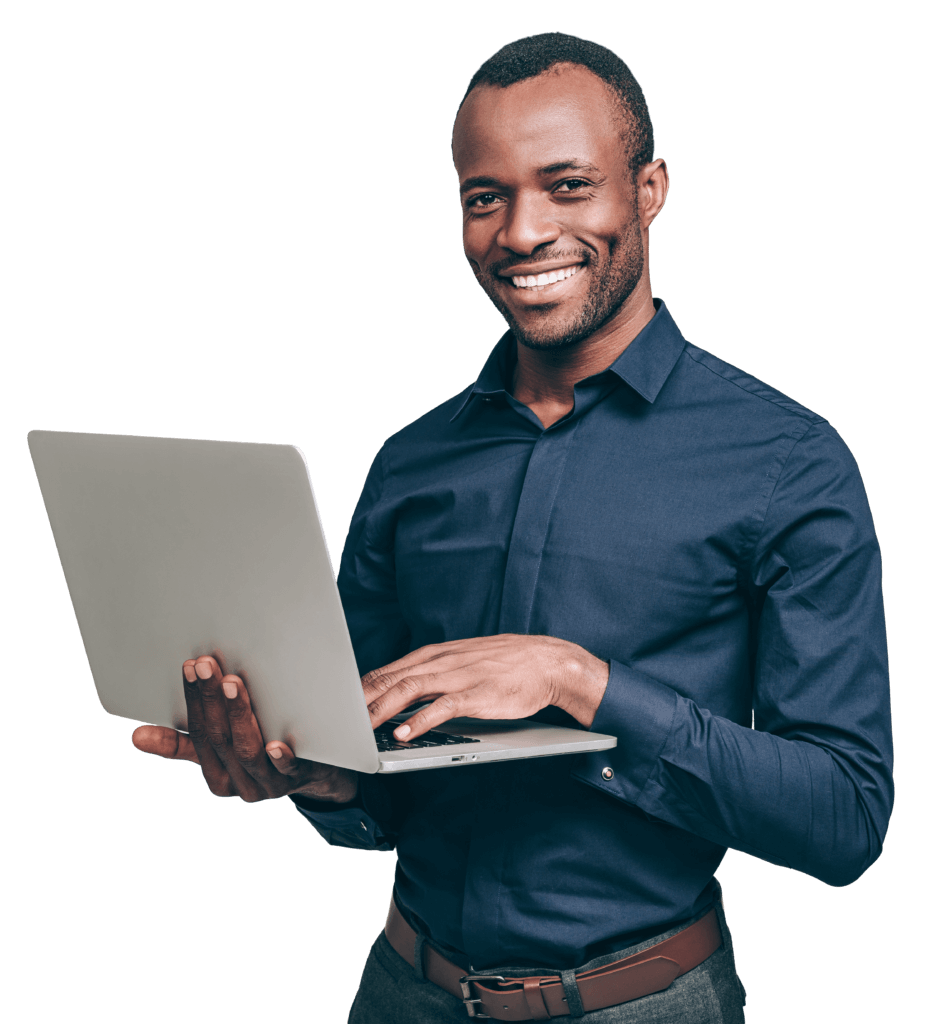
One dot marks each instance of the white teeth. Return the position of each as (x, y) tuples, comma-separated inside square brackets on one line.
[(538, 281)]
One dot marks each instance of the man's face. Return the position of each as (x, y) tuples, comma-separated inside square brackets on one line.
[(551, 225)]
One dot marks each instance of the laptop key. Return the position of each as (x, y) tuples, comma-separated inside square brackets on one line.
[(386, 741)]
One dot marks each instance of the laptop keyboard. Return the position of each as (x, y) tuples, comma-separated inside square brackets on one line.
[(386, 741)]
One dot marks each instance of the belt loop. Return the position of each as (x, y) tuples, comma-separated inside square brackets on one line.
[(574, 1002), (419, 957), (720, 914)]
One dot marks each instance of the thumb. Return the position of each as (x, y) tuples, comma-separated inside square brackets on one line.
[(157, 739)]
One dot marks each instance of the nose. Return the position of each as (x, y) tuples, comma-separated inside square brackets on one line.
[(528, 225)]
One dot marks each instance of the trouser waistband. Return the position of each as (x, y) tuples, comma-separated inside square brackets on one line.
[(543, 997)]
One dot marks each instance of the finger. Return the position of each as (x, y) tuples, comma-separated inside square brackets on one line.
[(408, 663), (295, 770), (247, 741), (220, 660), (157, 739), (284, 760), (311, 779), (217, 778), (443, 708), (396, 694), (218, 728)]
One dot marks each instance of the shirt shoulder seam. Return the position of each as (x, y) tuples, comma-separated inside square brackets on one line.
[(793, 408), (762, 520)]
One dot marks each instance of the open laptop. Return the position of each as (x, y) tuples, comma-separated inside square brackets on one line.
[(176, 548)]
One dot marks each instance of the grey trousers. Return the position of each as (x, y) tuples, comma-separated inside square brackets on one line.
[(392, 993)]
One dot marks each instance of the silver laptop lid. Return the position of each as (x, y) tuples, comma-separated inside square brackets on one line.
[(176, 548)]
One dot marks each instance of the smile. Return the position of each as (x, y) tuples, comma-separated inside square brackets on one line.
[(535, 282)]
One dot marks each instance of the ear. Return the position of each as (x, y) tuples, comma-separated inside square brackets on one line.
[(653, 183)]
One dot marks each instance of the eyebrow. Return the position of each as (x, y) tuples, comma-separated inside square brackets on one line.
[(486, 181)]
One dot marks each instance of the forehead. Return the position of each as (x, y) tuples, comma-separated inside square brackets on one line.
[(566, 113)]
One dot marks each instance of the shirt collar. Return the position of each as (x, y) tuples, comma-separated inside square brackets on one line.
[(644, 366)]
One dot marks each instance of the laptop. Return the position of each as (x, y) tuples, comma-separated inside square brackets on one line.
[(173, 549)]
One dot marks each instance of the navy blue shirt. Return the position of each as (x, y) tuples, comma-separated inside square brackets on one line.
[(711, 540)]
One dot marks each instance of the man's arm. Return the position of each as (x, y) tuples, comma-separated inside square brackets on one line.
[(810, 786), (367, 584)]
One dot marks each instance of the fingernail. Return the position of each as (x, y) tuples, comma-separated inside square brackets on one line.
[(276, 753), (203, 670), (230, 690), (190, 674), (402, 732)]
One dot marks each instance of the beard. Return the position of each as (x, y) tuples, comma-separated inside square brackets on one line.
[(612, 279)]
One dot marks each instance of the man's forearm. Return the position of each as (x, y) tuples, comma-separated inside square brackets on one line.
[(583, 682)]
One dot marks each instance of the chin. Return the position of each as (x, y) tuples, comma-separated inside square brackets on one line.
[(551, 331), (550, 339)]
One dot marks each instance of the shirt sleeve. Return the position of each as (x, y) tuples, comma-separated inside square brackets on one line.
[(810, 786), (364, 824), (379, 635)]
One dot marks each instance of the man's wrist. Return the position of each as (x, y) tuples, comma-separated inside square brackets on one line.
[(307, 803), (584, 678), (338, 788)]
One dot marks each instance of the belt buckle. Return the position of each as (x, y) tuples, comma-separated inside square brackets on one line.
[(469, 1000)]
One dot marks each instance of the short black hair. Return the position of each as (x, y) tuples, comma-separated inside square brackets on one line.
[(532, 56)]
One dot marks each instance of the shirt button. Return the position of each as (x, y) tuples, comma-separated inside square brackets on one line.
[(487, 399), (608, 773)]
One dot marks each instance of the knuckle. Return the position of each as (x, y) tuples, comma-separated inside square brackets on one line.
[(409, 686), (218, 738), (250, 760), (383, 682), (197, 736), (238, 709)]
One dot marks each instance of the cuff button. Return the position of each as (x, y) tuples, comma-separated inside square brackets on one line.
[(608, 773)]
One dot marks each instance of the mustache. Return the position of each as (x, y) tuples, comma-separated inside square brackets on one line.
[(544, 256)]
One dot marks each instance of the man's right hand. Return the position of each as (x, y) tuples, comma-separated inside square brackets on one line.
[(225, 740)]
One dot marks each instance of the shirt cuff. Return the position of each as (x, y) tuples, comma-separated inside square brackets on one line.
[(639, 712), (352, 825)]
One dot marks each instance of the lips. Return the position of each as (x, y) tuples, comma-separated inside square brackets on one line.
[(538, 281), (541, 269), (546, 285)]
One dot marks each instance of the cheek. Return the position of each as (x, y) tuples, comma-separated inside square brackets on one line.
[(479, 238), (478, 261), (472, 254)]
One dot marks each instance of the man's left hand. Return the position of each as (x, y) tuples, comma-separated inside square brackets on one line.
[(506, 676)]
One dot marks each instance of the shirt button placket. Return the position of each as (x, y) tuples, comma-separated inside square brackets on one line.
[(530, 528)]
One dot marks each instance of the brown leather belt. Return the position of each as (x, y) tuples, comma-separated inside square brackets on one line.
[(544, 997)]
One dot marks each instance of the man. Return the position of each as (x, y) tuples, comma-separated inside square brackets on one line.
[(610, 527)]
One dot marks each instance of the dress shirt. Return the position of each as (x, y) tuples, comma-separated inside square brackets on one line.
[(710, 539)]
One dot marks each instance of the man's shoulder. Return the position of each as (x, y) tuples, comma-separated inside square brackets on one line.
[(432, 428), (742, 387), (761, 417)]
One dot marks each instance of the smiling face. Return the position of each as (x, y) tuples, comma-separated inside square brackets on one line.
[(551, 224)]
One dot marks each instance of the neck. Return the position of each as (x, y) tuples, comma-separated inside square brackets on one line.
[(544, 379)]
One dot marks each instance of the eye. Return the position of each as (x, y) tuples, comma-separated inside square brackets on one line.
[(482, 201), (571, 185)]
